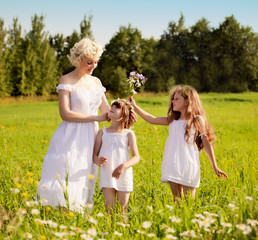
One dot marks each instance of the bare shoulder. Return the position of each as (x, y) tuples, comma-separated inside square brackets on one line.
[(97, 81), (131, 134), (200, 120), (66, 79)]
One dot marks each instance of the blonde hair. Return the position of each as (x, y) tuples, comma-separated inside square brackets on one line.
[(126, 111), (85, 48), (194, 109)]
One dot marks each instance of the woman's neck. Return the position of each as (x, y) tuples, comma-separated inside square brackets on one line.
[(81, 73)]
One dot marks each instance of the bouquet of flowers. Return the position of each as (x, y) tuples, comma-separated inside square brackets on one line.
[(135, 80)]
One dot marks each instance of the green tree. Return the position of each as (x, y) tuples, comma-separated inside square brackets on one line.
[(234, 56), (13, 57), (39, 66), (62, 45), (124, 50), (3, 83)]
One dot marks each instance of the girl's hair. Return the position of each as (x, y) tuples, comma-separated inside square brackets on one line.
[(85, 48), (194, 109), (126, 111)]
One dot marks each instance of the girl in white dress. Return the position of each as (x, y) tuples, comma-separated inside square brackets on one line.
[(189, 132), (68, 174), (111, 154)]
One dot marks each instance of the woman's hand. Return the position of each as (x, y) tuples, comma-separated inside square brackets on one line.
[(102, 117), (220, 173), (118, 171)]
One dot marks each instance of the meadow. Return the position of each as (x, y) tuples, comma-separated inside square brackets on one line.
[(222, 209)]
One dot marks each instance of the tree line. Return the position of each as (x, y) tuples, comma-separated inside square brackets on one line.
[(222, 59)]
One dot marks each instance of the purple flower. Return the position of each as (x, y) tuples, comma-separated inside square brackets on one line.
[(132, 73)]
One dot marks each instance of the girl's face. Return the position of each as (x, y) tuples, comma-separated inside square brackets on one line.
[(115, 113), (89, 65), (179, 103)]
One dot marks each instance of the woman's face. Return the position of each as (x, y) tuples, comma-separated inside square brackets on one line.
[(179, 103), (89, 65)]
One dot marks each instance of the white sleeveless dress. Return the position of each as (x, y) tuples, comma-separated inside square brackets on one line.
[(116, 149), (67, 167), (181, 159)]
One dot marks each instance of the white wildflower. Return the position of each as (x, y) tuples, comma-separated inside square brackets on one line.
[(249, 198), (21, 212), (175, 219), (28, 235), (226, 225), (60, 234), (232, 206), (92, 220), (34, 212), (15, 190), (169, 236), (146, 224), (100, 214), (31, 203), (169, 207), (244, 228), (92, 231), (170, 230), (84, 236), (118, 234), (63, 227), (199, 216), (140, 231), (252, 222), (150, 208), (151, 235), (190, 233)]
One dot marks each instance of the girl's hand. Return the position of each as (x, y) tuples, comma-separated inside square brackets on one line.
[(220, 173), (132, 101), (118, 171), (101, 161)]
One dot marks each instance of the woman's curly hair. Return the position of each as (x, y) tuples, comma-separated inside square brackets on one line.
[(194, 109), (85, 48)]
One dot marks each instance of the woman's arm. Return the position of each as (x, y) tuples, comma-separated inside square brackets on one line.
[(97, 145), (209, 149), (147, 116), (104, 107), (71, 116), (132, 161)]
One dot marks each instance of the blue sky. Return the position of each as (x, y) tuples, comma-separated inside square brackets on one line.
[(151, 17)]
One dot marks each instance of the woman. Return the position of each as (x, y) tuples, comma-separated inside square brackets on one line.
[(68, 173)]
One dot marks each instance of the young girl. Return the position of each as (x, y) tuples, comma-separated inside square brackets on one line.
[(189, 132), (111, 154)]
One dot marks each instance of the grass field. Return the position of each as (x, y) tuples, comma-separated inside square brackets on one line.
[(222, 209)]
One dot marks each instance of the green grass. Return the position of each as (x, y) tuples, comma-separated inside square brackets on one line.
[(25, 132)]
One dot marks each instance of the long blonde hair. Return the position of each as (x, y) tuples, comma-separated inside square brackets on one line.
[(194, 109)]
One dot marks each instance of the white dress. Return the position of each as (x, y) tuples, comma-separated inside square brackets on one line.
[(67, 168), (181, 159), (116, 149)]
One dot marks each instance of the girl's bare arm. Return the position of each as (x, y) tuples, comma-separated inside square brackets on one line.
[(147, 116)]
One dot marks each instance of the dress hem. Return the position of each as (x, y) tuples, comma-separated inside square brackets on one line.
[(169, 179)]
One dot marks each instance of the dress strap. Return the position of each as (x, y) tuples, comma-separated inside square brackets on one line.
[(104, 130), (203, 134)]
